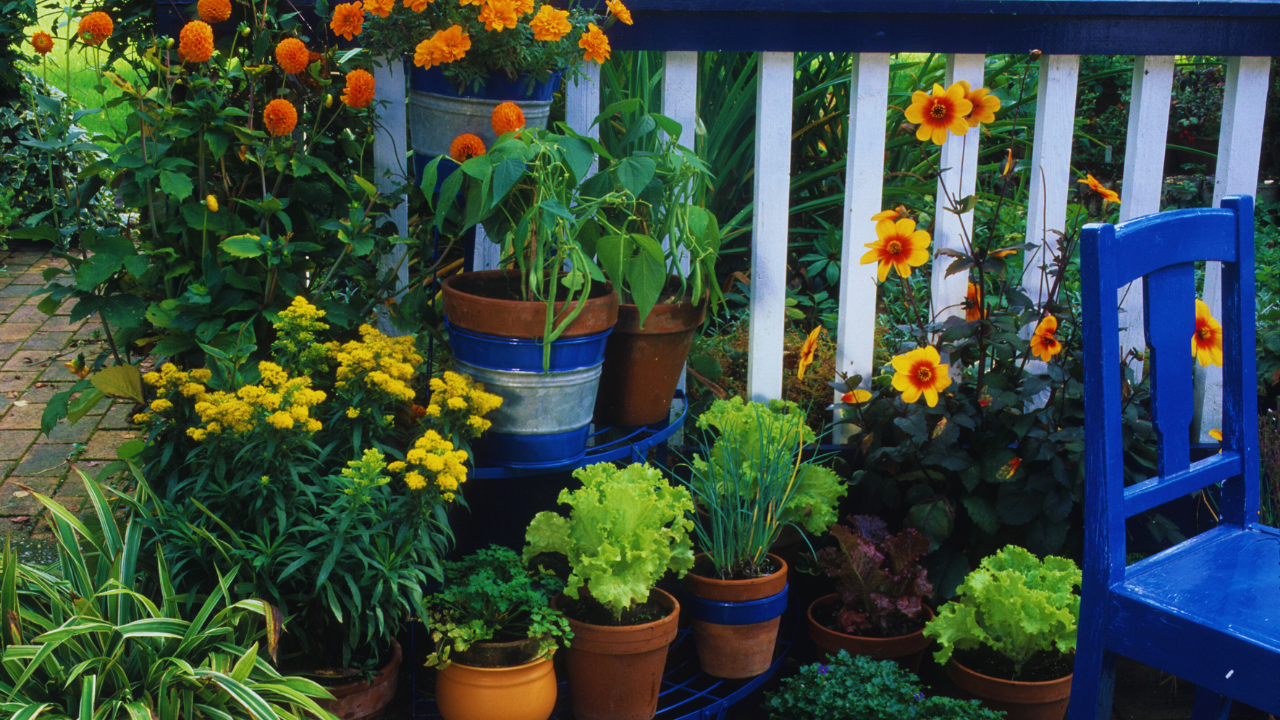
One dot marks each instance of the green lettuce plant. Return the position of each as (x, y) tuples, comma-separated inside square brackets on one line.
[(626, 528), (1014, 604)]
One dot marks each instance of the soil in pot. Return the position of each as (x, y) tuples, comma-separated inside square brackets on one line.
[(904, 643), (735, 651), (360, 700), (1043, 698)]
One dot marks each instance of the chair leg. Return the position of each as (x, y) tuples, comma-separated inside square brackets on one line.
[(1092, 685), (1210, 705)]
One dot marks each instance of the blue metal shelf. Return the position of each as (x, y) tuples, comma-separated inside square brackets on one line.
[(687, 693), (632, 445)]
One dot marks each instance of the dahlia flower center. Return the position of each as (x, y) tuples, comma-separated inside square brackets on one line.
[(894, 247), (938, 111)]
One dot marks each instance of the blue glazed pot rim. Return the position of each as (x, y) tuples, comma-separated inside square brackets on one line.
[(737, 613), (495, 88), (483, 337)]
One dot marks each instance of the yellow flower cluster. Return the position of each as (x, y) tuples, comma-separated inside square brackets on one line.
[(279, 401), (461, 402), (296, 327), (434, 459), (170, 382), (383, 363)]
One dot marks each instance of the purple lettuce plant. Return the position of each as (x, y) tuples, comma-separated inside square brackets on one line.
[(878, 576)]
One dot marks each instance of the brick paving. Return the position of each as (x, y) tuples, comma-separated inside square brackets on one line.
[(33, 348)]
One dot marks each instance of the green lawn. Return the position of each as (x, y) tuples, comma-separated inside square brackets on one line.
[(82, 83)]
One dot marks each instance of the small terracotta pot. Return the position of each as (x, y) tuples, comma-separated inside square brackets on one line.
[(1020, 700), (360, 700), (468, 305), (642, 364), (736, 651), (906, 650), (615, 673), (522, 692)]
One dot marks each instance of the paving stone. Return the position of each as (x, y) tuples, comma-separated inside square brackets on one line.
[(67, 307), (45, 461), (77, 504), (44, 391), (28, 313), (78, 432), (14, 443), (30, 277), (16, 380), (8, 349), (16, 291), (27, 360), (45, 339), (119, 417), (9, 304), (10, 528), (18, 331), (22, 418), (16, 496), (103, 444), (57, 372), (61, 323)]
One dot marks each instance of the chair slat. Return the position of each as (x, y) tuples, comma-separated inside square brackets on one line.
[(1153, 242), (1170, 326), (1157, 491)]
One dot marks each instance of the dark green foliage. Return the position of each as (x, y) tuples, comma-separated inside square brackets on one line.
[(857, 688), (15, 17)]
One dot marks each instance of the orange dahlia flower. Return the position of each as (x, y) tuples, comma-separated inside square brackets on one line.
[(550, 24), (900, 247), (853, 397), (466, 146), (498, 15), (807, 350), (1044, 342), (920, 372), (887, 215), (348, 20), (1206, 343), (507, 117), (973, 303), (292, 55), (214, 11), (280, 117), (936, 114), (381, 8), (984, 104), (595, 44), (195, 42), (619, 11), (42, 42), (1108, 195), (95, 27), (359, 91)]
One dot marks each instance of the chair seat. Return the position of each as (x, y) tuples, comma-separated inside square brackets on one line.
[(1219, 594)]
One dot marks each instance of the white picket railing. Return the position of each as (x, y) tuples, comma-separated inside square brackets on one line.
[(1237, 173)]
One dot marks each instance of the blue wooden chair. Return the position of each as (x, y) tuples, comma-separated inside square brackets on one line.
[(1208, 609)]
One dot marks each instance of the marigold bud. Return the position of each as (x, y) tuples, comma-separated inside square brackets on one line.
[(211, 202), (328, 100)]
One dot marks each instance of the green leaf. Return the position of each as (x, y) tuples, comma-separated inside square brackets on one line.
[(120, 381), (369, 190), (89, 399), (243, 246), (505, 177), (612, 253), (645, 278), (578, 154), (635, 173), (176, 184)]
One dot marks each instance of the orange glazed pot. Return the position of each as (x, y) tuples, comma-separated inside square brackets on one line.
[(360, 700), (522, 692), (906, 650), (1020, 700), (615, 673), (739, 649)]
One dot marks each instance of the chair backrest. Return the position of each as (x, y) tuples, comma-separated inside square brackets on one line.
[(1163, 249)]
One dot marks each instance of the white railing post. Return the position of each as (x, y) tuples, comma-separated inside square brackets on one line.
[(389, 170), (1143, 174), (680, 103), (959, 162), (582, 103), (1239, 151), (771, 196), (863, 192), (1050, 167)]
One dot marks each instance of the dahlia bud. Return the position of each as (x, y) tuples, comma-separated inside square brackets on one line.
[(211, 202), (328, 100), (169, 45)]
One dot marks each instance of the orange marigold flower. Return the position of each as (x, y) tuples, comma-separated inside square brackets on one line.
[(550, 24), (507, 117), (381, 8), (195, 42), (943, 111), (1044, 342), (595, 43), (348, 20), (214, 11), (1108, 195), (465, 3), (807, 350), (619, 11), (984, 104), (920, 372), (42, 42), (445, 46), (292, 56), (466, 146), (973, 303), (1206, 343), (853, 397), (498, 15), (280, 117), (900, 247), (359, 91), (95, 27), (417, 5), (524, 7)]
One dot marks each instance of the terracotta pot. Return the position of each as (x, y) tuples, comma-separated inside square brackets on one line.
[(642, 365), (615, 673), (522, 692), (360, 700), (906, 650), (1020, 700), (736, 651), (517, 318)]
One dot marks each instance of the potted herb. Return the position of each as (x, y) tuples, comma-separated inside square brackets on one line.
[(626, 528), (746, 485), (877, 609), (1010, 634), (493, 635), (859, 688)]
